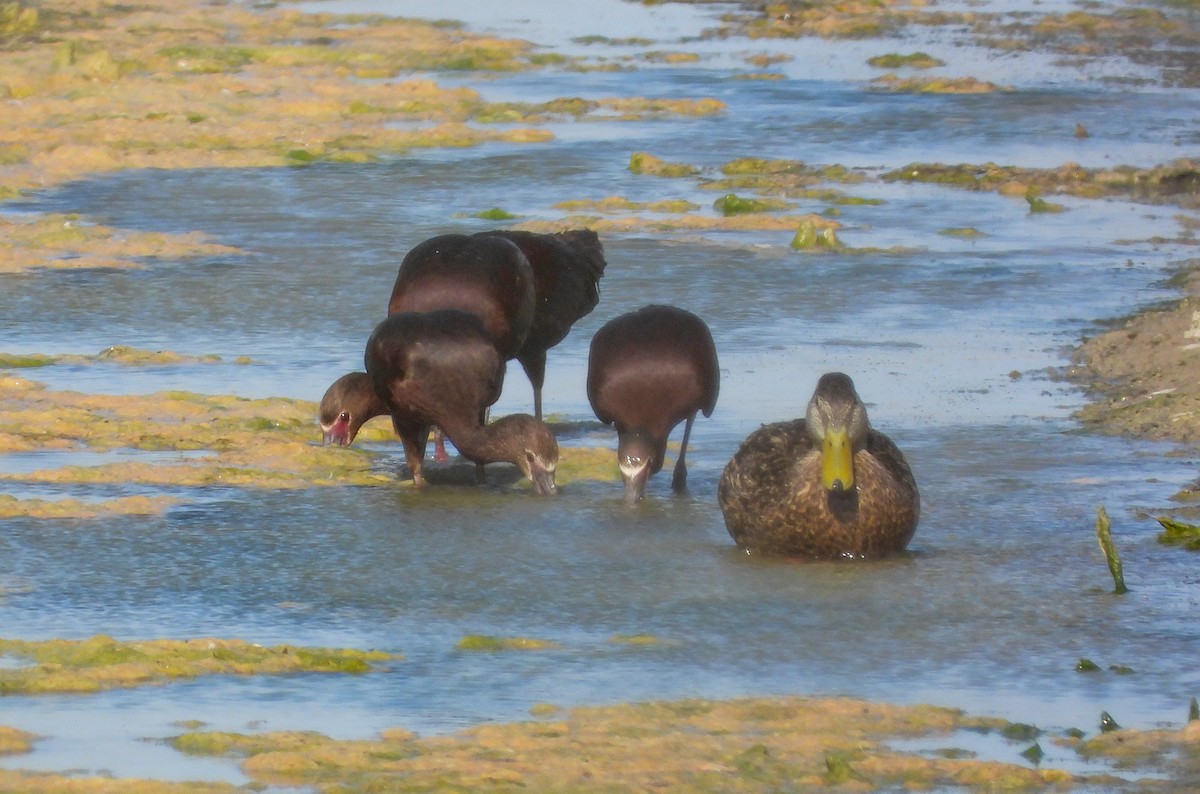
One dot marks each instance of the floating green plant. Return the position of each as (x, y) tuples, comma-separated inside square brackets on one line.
[(12, 507), (838, 770), (619, 204), (102, 662), (1039, 204), (1033, 754), (1020, 732), (14, 361), (962, 231), (636, 639), (766, 744), (489, 644), (760, 165), (1104, 536), (733, 204), (936, 85), (1177, 533), (496, 214), (17, 20), (915, 60), (644, 163), (810, 237)]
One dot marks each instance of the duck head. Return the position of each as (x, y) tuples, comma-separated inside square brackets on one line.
[(837, 420)]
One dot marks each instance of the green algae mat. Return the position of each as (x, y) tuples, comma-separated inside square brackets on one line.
[(101, 662)]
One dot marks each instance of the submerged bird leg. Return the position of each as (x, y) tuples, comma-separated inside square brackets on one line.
[(679, 478), (480, 476)]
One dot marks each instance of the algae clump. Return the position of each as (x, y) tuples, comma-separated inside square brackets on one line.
[(747, 745), (810, 237), (102, 662), (733, 204), (1177, 533), (495, 214), (644, 163), (488, 644), (916, 60)]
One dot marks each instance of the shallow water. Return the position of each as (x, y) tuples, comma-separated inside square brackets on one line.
[(1004, 589)]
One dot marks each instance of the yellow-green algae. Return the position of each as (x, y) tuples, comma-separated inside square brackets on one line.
[(759, 221), (961, 231), (811, 236), (12, 507), (914, 60), (14, 741), (612, 205), (646, 163), (259, 442), (577, 463), (635, 639), (15, 782), (254, 443), (1174, 182), (115, 354), (62, 242), (1160, 36), (936, 85), (98, 87), (101, 662), (1179, 533), (750, 745), (487, 643), (733, 204)]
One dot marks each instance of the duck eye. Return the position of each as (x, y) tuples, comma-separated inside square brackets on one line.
[(529, 456), (344, 416)]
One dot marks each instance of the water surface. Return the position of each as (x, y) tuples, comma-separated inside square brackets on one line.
[(950, 341)]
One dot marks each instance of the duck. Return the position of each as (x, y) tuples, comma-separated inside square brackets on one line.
[(439, 368), (826, 486), (649, 370), (567, 267)]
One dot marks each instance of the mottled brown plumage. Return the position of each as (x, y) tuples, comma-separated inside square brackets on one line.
[(778, 497), (648, 371)]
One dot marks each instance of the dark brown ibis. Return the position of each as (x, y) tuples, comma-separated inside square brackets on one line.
[(442, 368), (481, 274), (648, 371), (825, 486), (348, 403), (567, 267)]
